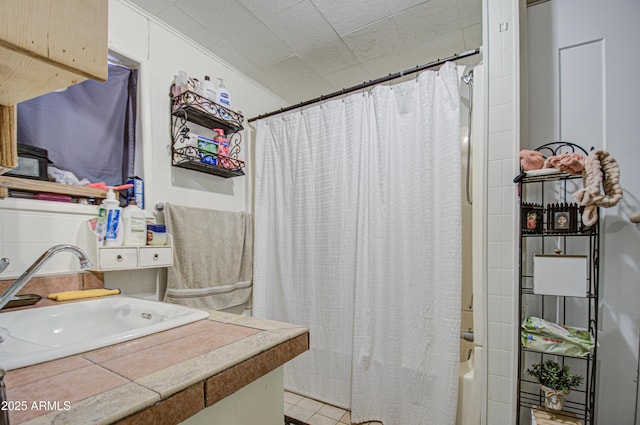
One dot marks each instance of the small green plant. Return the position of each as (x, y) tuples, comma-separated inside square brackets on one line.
[(551, 375)]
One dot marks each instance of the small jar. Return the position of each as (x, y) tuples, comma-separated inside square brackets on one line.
[(156, 234)]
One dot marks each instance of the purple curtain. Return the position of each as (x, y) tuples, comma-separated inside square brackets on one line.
[(88, 129)]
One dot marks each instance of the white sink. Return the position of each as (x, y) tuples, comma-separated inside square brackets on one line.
[(41, 334)]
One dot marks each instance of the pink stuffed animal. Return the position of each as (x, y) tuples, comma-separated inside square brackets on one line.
[(531, 160)]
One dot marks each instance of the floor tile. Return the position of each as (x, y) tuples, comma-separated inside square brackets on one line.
[(300, 414), (309, 404), (332, 412), (318, 419), (346, 418), (292, 398)]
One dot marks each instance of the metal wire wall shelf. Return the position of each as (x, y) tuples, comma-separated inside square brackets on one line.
[(537, 194), (188, 107)]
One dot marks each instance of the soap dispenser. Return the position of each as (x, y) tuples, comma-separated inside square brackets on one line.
[(113, 233), (223, 148)]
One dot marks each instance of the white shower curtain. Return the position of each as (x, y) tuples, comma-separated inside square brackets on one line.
[(358, 236)]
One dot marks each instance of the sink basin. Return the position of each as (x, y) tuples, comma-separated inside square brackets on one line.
[(47, 333)]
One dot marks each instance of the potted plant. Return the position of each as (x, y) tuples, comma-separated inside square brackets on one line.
[(556, 381)]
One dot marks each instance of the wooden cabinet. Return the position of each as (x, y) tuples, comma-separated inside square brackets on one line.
[(109, 258), (46, 45)]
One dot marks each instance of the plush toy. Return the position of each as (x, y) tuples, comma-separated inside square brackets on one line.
[(571, 163), (531, 160)]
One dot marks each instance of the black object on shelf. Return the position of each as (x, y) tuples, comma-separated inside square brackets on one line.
[(189, 106)]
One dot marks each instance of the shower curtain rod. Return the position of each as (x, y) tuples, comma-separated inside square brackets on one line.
[(370, 83)]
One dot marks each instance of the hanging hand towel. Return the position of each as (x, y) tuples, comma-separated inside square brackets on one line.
[(213, 257)]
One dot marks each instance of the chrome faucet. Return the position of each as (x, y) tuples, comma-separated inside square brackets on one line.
[(19, 283)]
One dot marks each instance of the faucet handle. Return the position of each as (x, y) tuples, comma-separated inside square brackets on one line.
[(4, 263)]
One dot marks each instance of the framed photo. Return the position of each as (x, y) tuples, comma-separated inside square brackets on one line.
[(562, 221), (532, 218)]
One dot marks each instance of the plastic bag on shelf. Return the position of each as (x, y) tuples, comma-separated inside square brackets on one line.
[(548, 337)]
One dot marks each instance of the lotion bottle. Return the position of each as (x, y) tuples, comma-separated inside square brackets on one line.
[(224, 99), (135, 225)]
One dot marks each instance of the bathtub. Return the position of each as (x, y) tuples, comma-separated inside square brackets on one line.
[(469, 411)]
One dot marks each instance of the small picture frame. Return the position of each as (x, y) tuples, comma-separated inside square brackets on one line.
[(532, 218), (563, 221)]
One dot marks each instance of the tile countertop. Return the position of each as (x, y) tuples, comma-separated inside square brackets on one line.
[(162, 378)]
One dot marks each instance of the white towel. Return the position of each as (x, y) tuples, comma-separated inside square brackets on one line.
[(213, 257)]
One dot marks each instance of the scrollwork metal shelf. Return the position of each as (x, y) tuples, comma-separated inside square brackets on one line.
[(191, 107)]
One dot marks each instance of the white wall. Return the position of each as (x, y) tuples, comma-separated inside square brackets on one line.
[(28, 228)]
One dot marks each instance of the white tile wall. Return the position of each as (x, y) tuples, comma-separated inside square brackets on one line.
[(502, 24)]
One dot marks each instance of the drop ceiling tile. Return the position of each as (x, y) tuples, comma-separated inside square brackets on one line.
[(375, 40), (470, 12), (295, 81), (329, 57), (223, 17), (348, 77), (392, 62), (351, 15), (187, 26), (259, 45), (301, 27), (230, 55), (472, 36), (265, 9), (439, 47), (428, 21), (152, 6), (396, 6)]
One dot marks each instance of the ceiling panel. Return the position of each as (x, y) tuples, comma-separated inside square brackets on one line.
[(346, 17), (260, 45), (223, 17), (304, 48), (188, 26), (329, 57), (428, 21), (302, 27), (376, 40), (262, 9)]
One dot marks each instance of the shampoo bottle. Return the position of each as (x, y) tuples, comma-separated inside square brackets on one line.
[(224, 99), (135, 225), (113, 234)]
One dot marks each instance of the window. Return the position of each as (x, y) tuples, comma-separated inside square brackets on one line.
[(88, 129)]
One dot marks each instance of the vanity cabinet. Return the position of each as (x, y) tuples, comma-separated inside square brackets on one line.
[(558, 281), (46, 45)]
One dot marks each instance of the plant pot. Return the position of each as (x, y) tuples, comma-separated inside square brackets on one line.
[(553, 399)]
